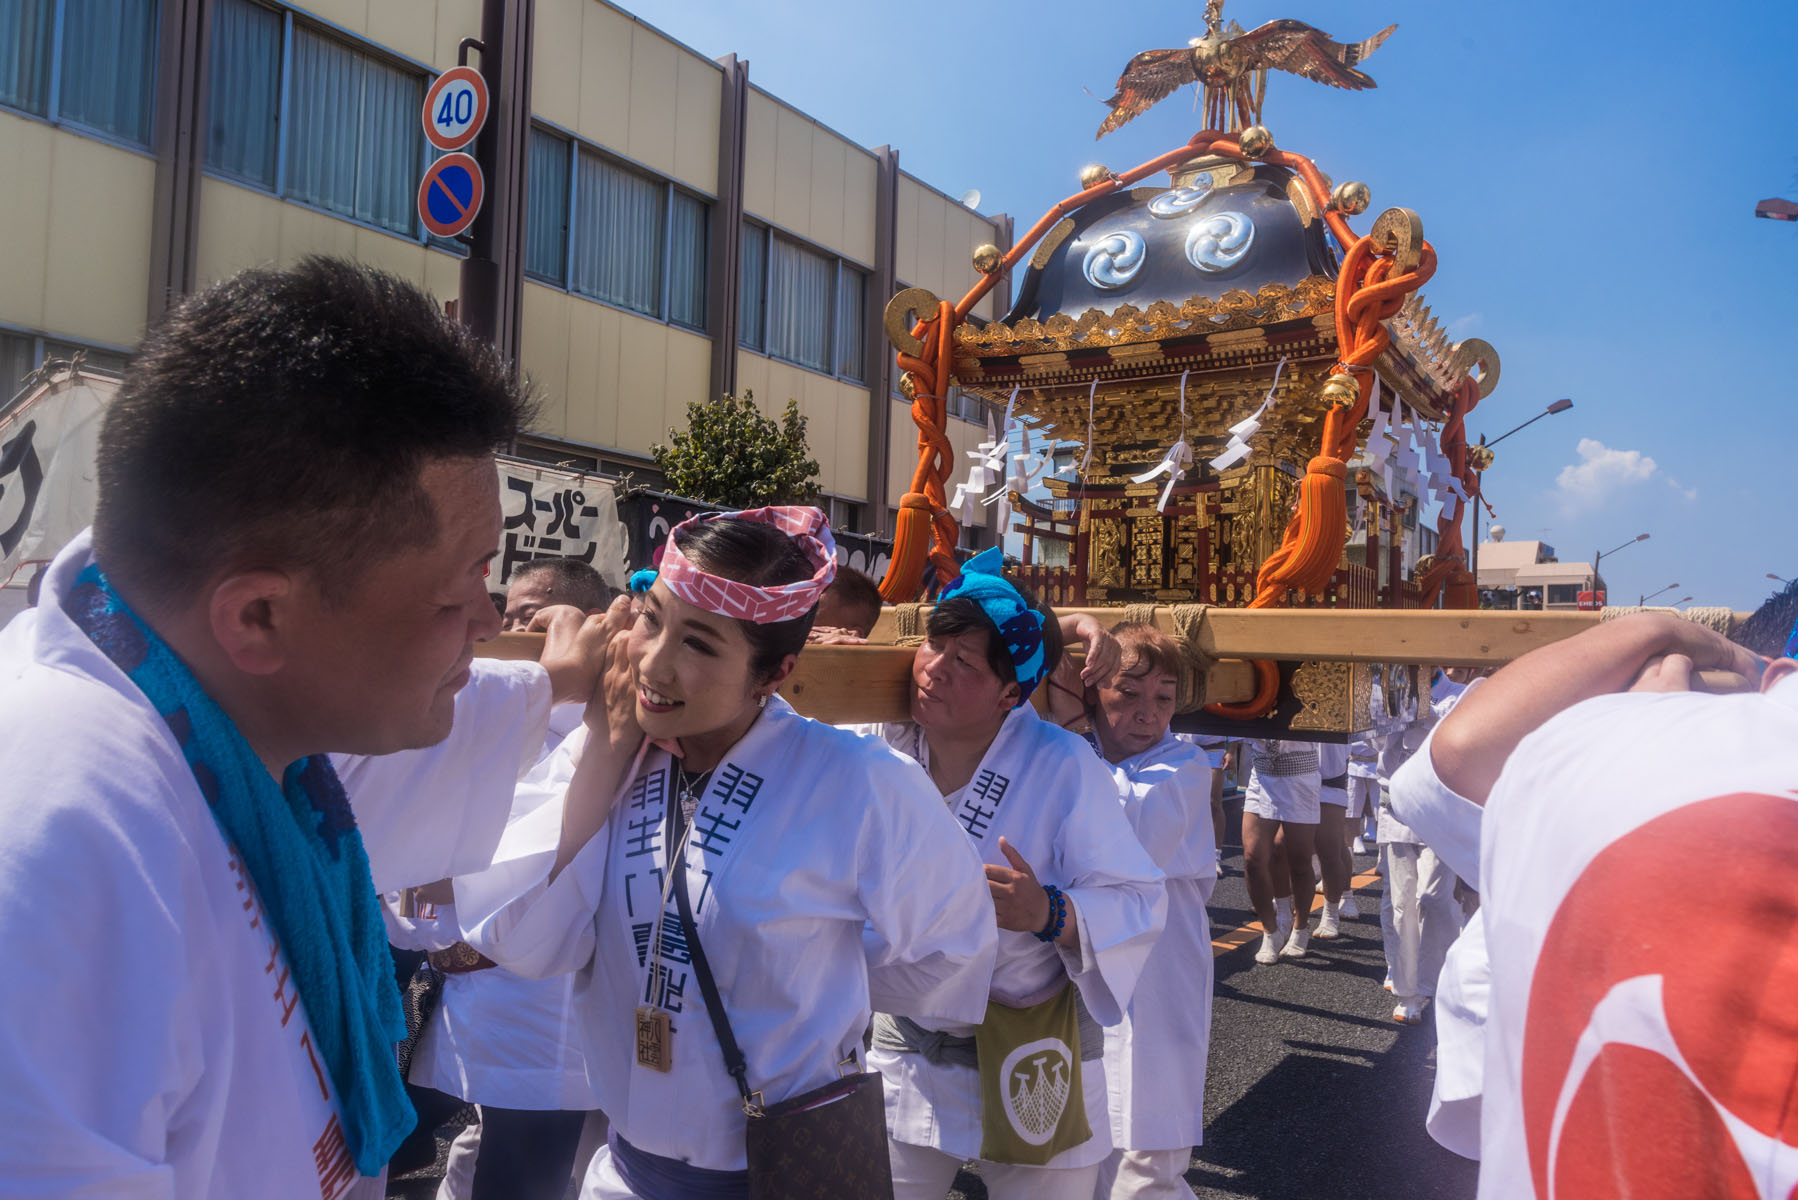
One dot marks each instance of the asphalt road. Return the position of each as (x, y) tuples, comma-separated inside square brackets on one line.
[(1312, 1091)]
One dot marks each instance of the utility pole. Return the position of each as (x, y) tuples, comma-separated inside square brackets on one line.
[(492, 283)]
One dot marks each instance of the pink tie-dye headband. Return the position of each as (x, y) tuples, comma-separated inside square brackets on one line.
[(745, 602)]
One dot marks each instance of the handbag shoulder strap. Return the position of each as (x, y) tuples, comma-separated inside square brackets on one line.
[(734, 1062)]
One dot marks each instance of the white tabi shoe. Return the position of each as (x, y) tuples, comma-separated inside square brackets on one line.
[(1360, 846), (1328, 926), (1409, 1012), (1348, 911), (1270, 947), (1296, 944)]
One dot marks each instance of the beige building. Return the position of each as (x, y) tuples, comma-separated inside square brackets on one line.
[(1528, 575), (685, 232)]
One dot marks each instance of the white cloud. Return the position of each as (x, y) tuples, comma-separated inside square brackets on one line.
[(1460, 327), (1690, 493), (1601, 471)]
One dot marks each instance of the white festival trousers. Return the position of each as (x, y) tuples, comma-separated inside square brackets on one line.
[(1419, 917), (458, 1170), (1144, 1175), (924, 1173)]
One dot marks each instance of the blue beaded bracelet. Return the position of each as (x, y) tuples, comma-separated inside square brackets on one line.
[(1058, 915)]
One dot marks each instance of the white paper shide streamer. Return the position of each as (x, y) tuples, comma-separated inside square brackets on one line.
[(1248, 427), (1177, 459)]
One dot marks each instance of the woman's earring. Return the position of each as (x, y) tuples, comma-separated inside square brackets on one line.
[(761, 701)]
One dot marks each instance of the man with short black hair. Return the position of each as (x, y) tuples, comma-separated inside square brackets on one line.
[(544, 582), (297, 506), (851, 604)]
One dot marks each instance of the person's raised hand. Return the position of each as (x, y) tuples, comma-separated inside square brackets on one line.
[(1019, 901), (576, 647), (1103, 654), (612, 713)]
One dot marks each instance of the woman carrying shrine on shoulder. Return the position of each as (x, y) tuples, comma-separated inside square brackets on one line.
[(795, 839), (1078, 902), (1155, 1057)]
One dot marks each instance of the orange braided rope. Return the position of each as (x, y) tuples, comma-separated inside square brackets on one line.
[(925, 529)]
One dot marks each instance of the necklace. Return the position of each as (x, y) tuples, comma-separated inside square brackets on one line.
[(692, 789)]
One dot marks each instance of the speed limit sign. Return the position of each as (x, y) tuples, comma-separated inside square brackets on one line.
[(455, 108)]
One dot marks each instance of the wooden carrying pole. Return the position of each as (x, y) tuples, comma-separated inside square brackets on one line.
[(845, 684), (859, 684)]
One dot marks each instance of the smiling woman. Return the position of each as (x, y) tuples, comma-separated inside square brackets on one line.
[(698, 834)]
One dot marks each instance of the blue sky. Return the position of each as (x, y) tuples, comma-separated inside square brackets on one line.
[(1586, 171)]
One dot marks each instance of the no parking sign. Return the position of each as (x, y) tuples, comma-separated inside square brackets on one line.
[(455, 108), (450, 196)]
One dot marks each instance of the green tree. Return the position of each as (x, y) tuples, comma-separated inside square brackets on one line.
[(733, 455)]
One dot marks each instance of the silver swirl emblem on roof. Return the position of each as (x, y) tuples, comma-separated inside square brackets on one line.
[(1218, 242), (1182, 199), (1114, 260)]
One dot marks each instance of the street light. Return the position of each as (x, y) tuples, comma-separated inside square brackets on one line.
[(1559, 406), (1677, 603), (1778, 579), (1651, 595), (1599, 557)]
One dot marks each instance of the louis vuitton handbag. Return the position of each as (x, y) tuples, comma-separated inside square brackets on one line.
[(826, 1144)]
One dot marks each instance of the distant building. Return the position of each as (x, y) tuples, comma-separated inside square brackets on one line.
[(1527, 575)]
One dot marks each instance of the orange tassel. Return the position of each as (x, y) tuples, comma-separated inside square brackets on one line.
[(912, 534)]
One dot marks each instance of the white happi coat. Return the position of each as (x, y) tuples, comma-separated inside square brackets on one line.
[(153, 1044), (1155, 1056), (805, 835), (1046, 792), (1636, 1047), (499, 1038)]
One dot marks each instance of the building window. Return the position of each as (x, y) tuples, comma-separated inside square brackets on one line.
[(800, 286), (802, 305), (106, 77), (23, 353), (752, 296), (620, 224), (1563, 593), (852, 300), (637, 240), (243, 98), (16, 362), (965, 405), (546, 208), (313, 118), (688, 221), (354, 144)]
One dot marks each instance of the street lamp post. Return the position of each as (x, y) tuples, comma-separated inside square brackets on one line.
[(1599, 557), (1559, 406), (1642, 600), (1779, 579)]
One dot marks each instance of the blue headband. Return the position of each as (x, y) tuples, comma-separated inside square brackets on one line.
[(1020, 625), (1792, 642)]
